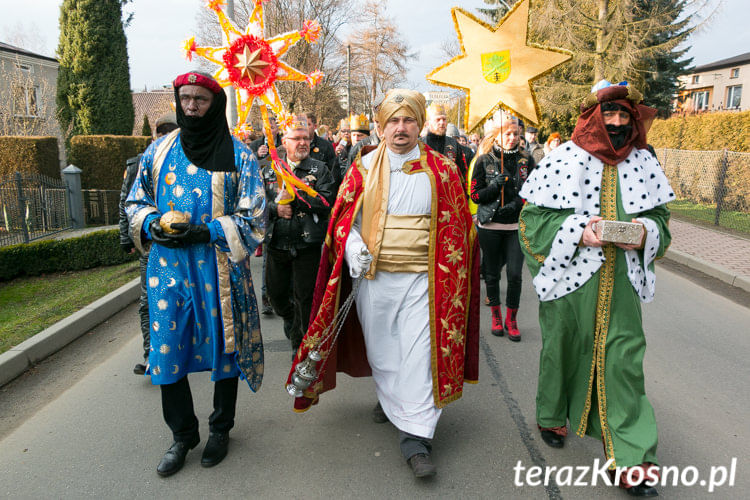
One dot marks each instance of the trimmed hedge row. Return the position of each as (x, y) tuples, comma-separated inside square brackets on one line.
[(102, 158), (704, 132), (37, 155), (101, 248)]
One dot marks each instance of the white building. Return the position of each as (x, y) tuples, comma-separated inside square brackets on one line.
[(716, 86)]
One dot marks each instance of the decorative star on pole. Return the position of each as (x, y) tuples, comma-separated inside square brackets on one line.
[(496, 65), (252, 64)]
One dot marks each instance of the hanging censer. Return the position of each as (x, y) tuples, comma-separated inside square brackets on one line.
[(307, 372)]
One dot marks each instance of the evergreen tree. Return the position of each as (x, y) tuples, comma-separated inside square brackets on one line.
[(633, 40), (146, 128), (499, 9), (93, 81), (662, 68)]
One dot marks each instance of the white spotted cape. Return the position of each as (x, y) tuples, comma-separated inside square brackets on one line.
[(570, 178)]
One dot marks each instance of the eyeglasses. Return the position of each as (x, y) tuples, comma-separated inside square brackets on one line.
[(199, 99)]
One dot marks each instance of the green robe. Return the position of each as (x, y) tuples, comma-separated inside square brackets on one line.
[(591, 363)]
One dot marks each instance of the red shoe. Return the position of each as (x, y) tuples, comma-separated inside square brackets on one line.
[(511, 325), (497, 321)]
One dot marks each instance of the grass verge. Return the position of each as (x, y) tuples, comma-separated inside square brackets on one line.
[(737, 221), (29, 305)]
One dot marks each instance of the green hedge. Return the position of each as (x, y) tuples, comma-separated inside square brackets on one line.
[(102, 158), (37, 155), (704, 132), (101, 248)]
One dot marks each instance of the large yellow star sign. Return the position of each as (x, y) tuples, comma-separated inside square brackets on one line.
[(496, 65)]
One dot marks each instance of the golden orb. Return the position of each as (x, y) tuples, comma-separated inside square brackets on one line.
[(172, 217)]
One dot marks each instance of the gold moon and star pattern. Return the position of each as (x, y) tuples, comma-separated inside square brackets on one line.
[(181, 280), (497, 65)]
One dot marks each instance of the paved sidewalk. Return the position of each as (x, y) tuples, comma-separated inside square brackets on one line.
[(718, 254)]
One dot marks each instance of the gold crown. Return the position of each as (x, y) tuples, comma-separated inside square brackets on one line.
[(436, 109), (359, 123), (298, 122)]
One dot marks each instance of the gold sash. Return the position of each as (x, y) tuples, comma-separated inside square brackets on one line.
[(406, 244), (375, 205)]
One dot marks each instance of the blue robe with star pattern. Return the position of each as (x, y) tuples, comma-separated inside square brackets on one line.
[(202, 305)]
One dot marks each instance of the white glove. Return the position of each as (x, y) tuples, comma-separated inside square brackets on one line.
[(359, 262)]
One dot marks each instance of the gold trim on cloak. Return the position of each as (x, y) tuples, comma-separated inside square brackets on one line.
[(160, 155), (218, 180), (601, 325)]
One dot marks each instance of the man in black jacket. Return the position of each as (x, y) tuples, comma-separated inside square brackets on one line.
[(295, 232), (437, 126), (320, 149), (164, 125)]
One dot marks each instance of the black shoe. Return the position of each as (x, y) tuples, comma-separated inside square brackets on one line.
[(378, 415), (642, 490), (422, 466), (288, 327), (216, 449), (553, 439), (139, 369), (174, 458), (267, 309)]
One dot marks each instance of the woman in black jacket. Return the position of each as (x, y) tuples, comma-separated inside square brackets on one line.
[(500, 170)]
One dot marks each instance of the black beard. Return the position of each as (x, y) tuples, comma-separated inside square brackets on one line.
[(618, 134)]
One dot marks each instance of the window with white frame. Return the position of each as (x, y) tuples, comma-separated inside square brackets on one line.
[(734, 96), (696, 78), (700, 100), (734, 73)]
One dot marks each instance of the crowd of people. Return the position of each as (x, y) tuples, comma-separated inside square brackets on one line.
[(384, 246)]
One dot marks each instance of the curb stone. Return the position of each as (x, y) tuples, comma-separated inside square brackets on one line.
[(709, 268)]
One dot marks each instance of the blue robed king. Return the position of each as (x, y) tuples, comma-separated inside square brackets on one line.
[(204, 314)]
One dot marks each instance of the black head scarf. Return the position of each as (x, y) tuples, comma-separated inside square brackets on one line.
[(206, 140)]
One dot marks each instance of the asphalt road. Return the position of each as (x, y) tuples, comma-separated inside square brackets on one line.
[(82, 425)]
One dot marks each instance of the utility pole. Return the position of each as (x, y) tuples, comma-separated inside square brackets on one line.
[(348, 80), (231, 99)]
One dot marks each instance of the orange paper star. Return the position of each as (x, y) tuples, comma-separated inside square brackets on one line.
[(496, 65)]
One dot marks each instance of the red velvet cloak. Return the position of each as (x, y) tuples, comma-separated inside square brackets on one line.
[(453, 287)]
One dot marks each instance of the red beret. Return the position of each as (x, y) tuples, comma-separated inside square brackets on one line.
[(197, 79)]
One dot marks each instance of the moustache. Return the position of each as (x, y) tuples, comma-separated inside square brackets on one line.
[(618, 129)]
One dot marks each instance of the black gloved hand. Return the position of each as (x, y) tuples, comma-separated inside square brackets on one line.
[(500, 180), (159, 237), (190, 234), (127, 247), (509, 208)]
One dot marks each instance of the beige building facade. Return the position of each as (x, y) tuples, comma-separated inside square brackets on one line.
[(718, 86), (28, 84)]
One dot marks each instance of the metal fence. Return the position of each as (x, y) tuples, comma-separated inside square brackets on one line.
[(711, 186), (33, 206), (101, 207)]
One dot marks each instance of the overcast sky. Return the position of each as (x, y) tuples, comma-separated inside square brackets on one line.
[(160, 26)]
